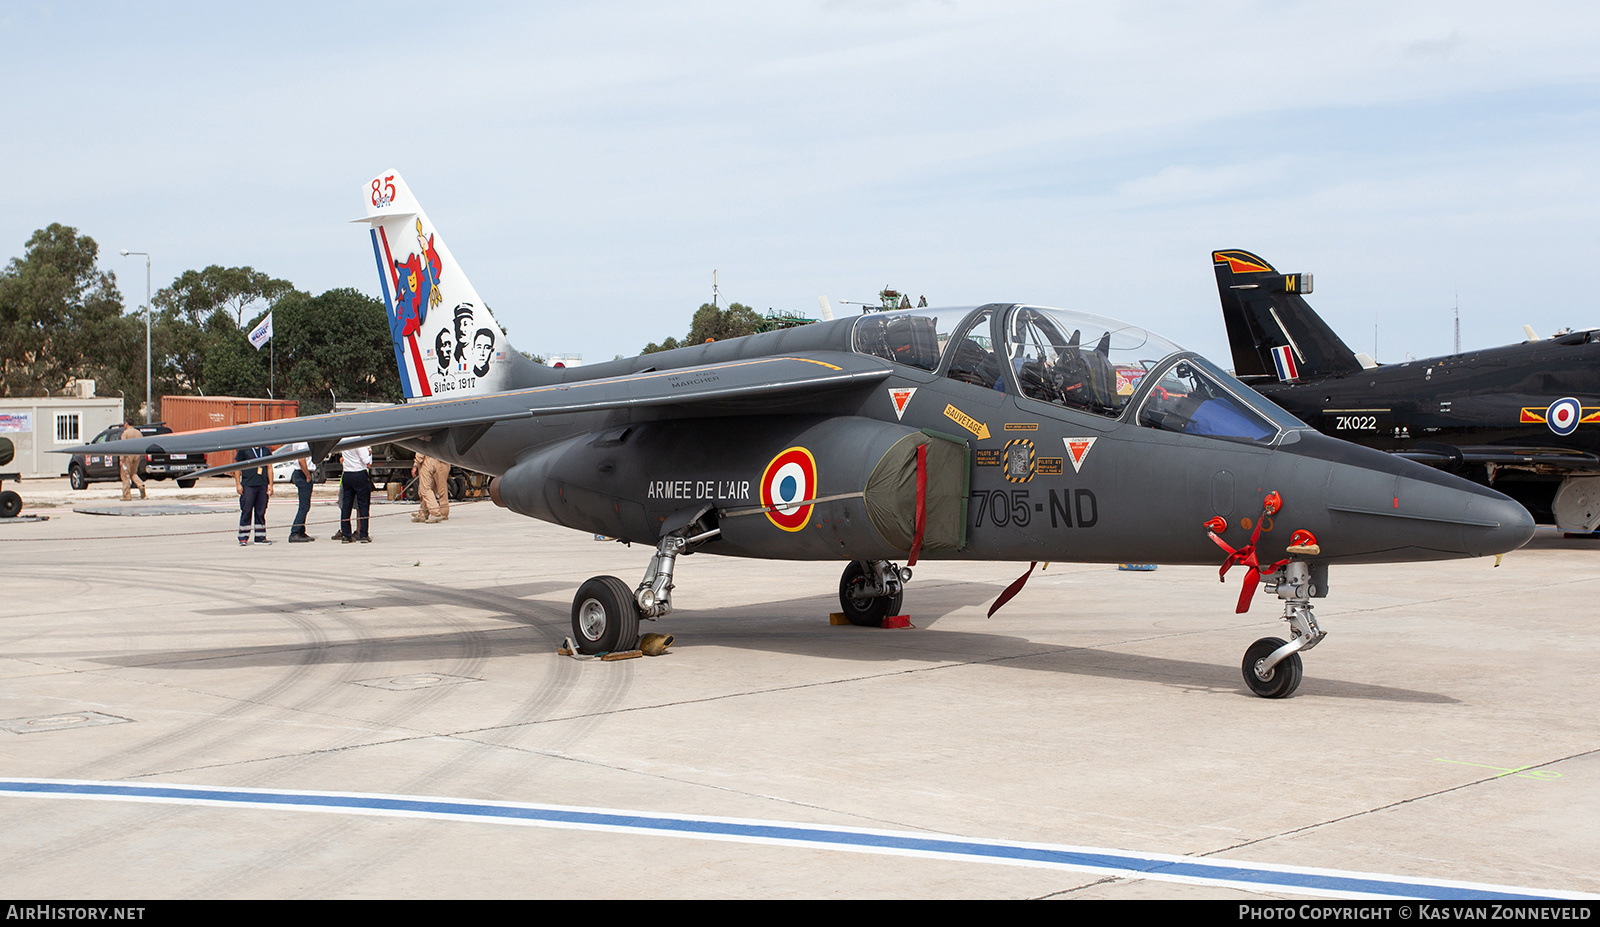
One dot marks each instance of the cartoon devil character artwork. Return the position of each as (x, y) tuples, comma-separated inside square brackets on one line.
[(417, 285)]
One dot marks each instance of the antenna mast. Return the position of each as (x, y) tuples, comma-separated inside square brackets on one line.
[(1458, 321)]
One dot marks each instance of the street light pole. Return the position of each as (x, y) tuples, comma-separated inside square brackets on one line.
[(149, 407)]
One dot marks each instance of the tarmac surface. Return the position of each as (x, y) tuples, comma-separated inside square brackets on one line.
[(181, 717)]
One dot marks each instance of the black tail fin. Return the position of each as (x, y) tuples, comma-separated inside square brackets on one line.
[(1273, 332)]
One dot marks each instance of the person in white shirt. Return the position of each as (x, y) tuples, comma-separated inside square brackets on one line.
[(355, 491)]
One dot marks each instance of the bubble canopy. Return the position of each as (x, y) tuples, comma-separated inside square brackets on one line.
[(1076, 360)]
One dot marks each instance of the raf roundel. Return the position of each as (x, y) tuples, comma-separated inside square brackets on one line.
[(790, 478), (1563, 416)]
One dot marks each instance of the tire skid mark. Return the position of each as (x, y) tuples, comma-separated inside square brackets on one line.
[(553, 692), (69, 844), (401, 709), (229, 590), (469, 663)]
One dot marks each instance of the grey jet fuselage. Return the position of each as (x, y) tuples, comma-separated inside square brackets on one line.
[(1127, 491)]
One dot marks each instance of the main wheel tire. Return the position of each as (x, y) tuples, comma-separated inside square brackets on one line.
[(10, 504), (1281, 680), (866, 613), (76, 478), (186, 484), (605, 617), (458, 489)]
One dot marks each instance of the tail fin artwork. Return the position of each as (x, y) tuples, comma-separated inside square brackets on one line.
[(446, 342), (1273, 332)]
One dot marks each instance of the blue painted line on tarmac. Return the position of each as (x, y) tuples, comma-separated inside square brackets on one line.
[(1193, 870)]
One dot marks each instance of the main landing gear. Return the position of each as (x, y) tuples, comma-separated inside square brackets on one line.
[(606, 613), (1272, 667), (872, 590)]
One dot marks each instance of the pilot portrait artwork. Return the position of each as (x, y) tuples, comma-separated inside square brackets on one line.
[(482, 350), (463, 322), (462, 352), (442, 351)]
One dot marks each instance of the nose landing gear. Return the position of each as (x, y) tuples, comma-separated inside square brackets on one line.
[(1272, 667)]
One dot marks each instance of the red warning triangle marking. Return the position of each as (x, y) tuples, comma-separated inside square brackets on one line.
[(1078, 450), (901, 398)]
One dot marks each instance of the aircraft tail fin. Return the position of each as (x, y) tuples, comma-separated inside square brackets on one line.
[(446, 342), (1273, 332)]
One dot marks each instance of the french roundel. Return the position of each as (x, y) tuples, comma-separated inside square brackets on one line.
[(1563, 416), (791, 477)]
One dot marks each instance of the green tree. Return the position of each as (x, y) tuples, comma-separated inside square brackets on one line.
[(61, 319), (233, 367), (200, 313), (713, 324), (333, 345)]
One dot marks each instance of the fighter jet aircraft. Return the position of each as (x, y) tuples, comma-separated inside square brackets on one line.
[(1004, 431), (1524, 418)]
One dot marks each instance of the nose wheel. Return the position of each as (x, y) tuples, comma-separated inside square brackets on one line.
[(1277, 680)]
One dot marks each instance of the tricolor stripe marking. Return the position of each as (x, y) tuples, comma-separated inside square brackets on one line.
[(1284, 361), (1330, 883)]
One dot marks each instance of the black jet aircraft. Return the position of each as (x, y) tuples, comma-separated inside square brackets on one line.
[(1004, 431), (1524, 418)]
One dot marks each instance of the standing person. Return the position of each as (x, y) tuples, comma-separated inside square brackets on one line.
[(254, 486), (129, 463), (433, 488), (355, 491), (441, 488), (302, 479)]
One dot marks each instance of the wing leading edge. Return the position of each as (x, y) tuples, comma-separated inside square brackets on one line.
[(753, 380)]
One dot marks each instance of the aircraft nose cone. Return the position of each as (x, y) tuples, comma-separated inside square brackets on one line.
[(1383, 508), (1511, 528)]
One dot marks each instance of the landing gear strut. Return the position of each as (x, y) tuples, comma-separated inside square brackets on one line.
[(1271, 667), (872, 590), (606, 613)]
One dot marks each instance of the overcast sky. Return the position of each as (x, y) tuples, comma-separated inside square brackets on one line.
[(591, 163)]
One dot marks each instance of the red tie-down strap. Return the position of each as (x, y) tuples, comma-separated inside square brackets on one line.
[(1246, 555), (922, 504), (1012, 589)]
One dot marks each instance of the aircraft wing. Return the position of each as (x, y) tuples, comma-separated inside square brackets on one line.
[(756, 380), (1446, 454)]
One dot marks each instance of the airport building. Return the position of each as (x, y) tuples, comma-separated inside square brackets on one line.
[(40, 425)]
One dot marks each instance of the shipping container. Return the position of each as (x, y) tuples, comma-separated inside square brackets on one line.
[(196, 413)]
